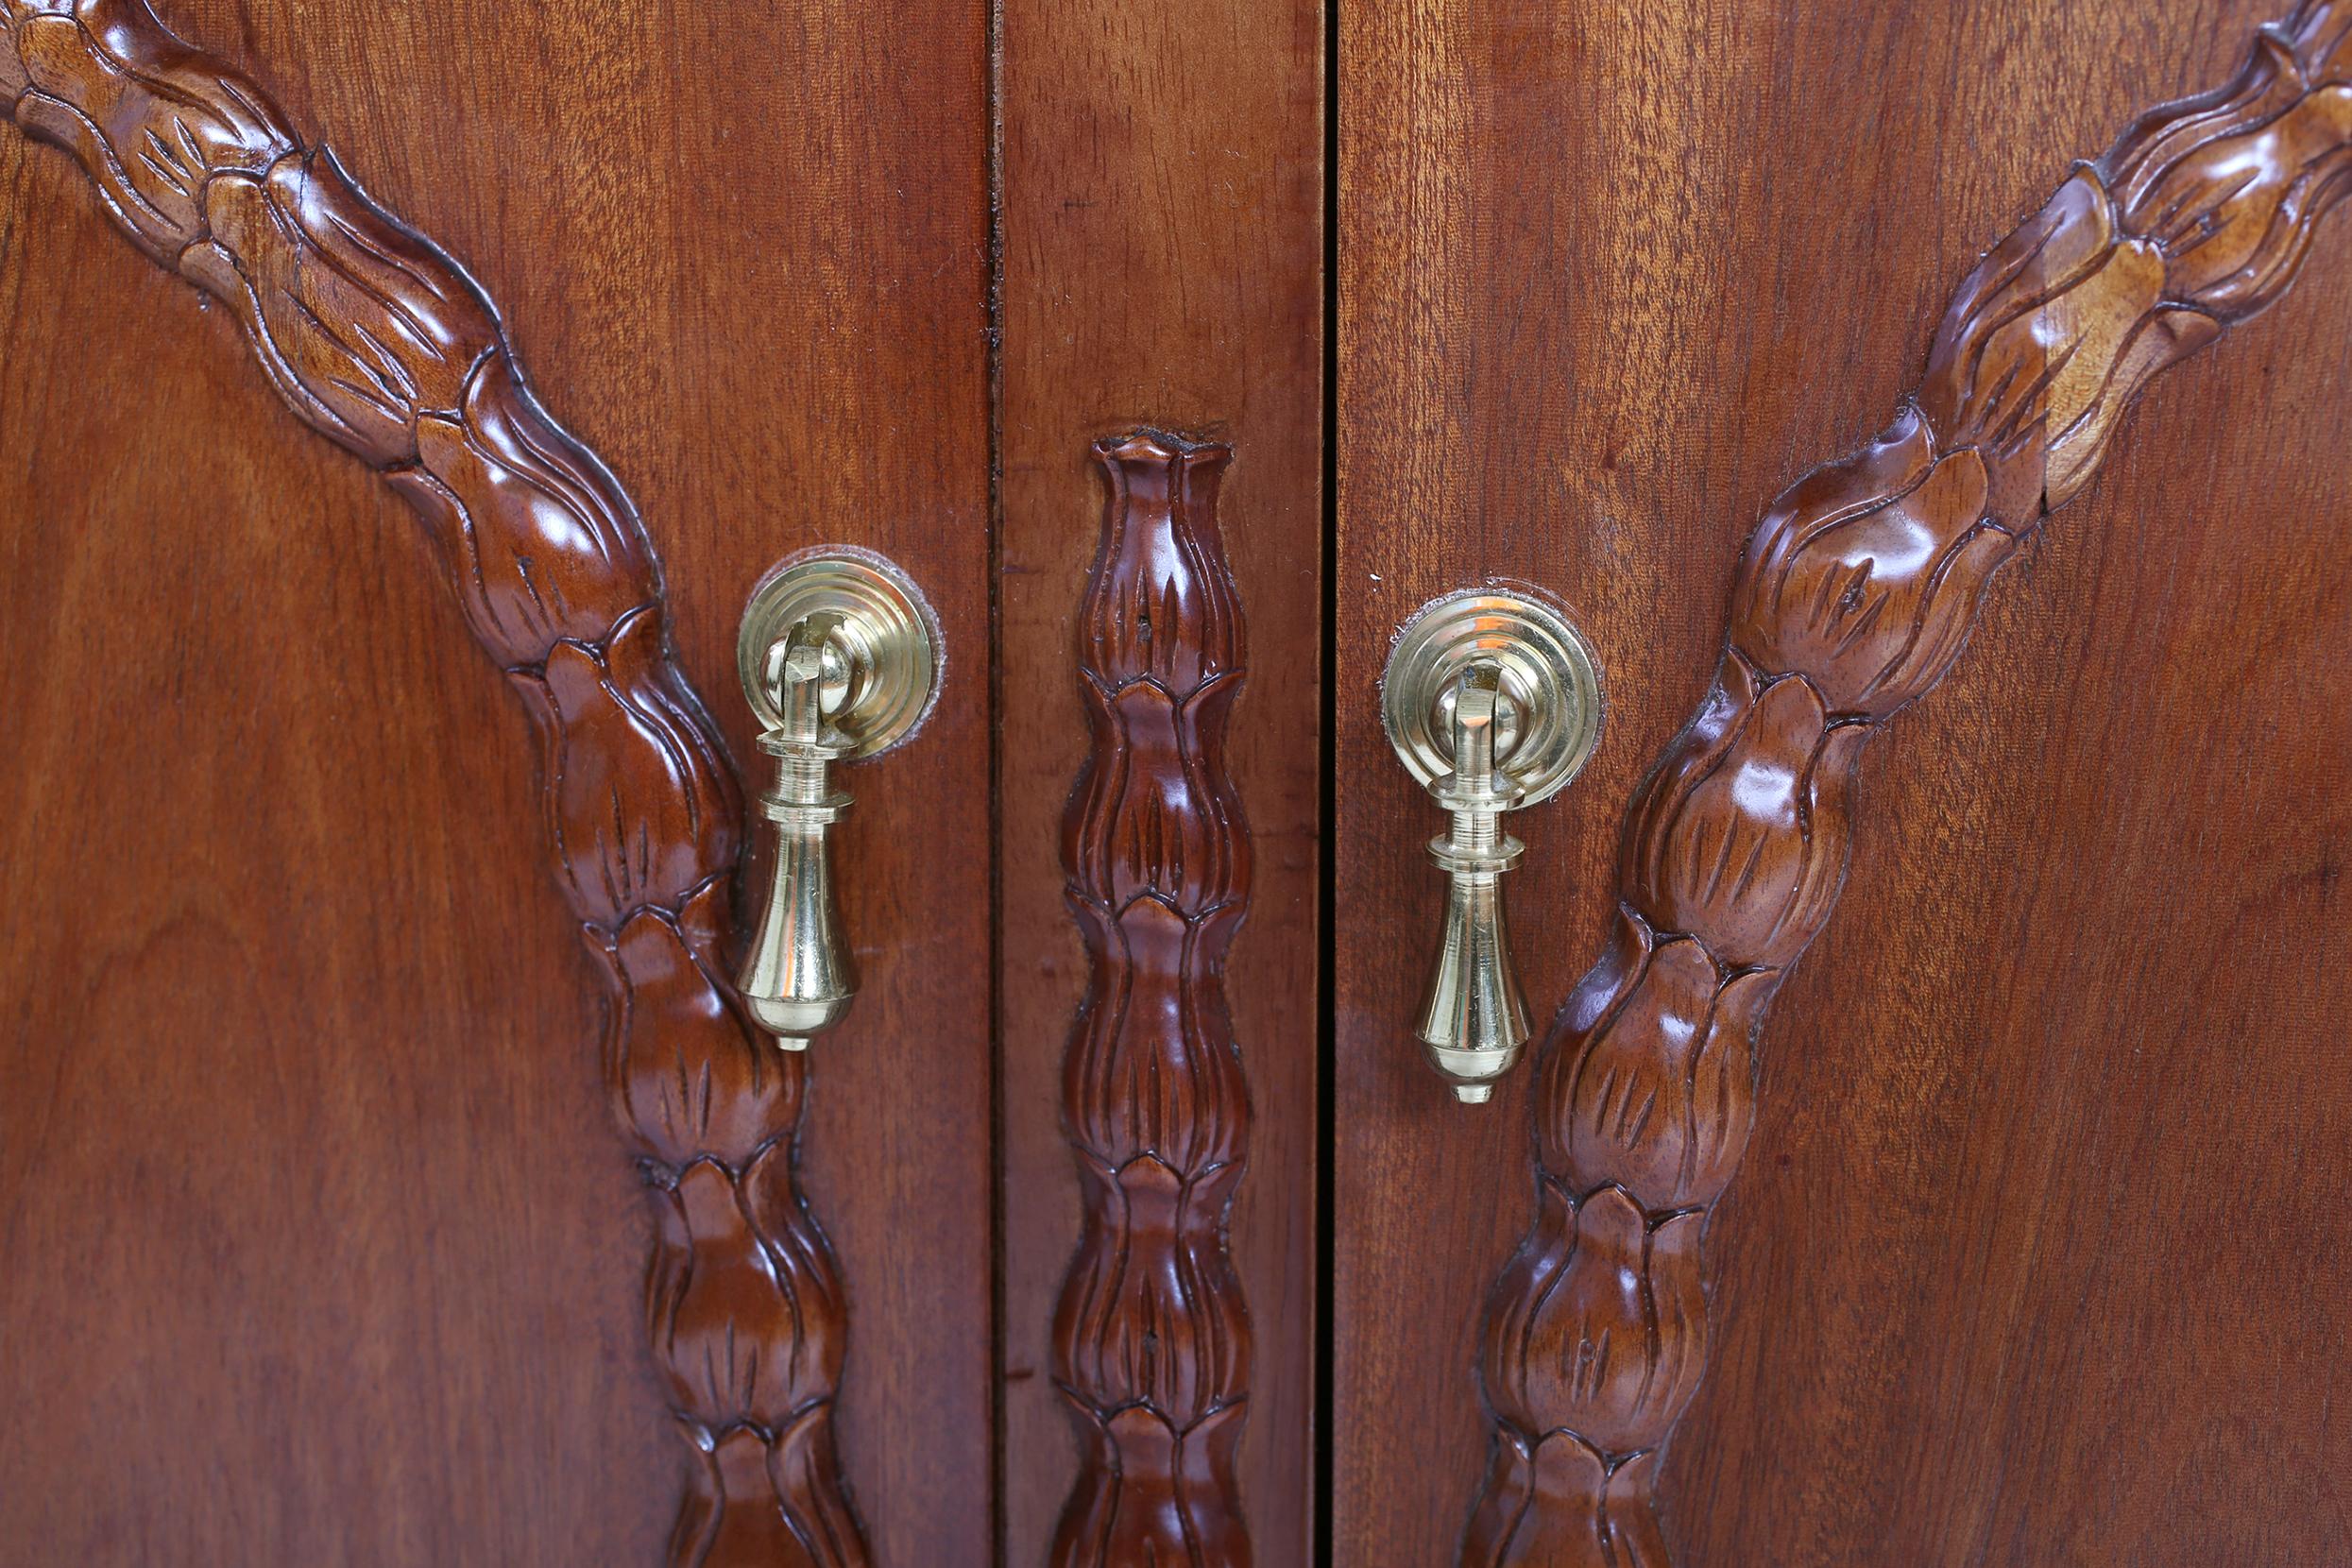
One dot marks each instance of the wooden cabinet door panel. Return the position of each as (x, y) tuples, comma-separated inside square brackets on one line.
[(300, 1053), (1632, 344), (1163, 206), (332, 1158), (660, 256)]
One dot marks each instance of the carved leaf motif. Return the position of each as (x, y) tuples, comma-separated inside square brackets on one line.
[(1660, 1097), (724, 1520), (527, 531), (379, 341), (1603, 990), (1740, 832), (722, 1306), (152, 119), (1852, 600), (357, 339), (2163, 339), (1865, 576), (2006, 334), (1526, 1283), (2053, 337), (1150, 1493), (636, 818), (1158, 1074), (1160, 605), (1159, 1314), (1558, 1501), (1161, 818), (802, 1462), (691, 1082), (1612, 1335), (1152, 1342), (2228, 191)]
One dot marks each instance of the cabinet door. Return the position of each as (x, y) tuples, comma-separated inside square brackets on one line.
[(1160, 642), (320, 1245), (2032, 1256), (388, 1172)]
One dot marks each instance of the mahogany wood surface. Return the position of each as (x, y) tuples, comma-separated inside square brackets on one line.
[(2037, 1050), (1163, 194), (293, 1152), (316, 1244), (470, 1380), (1151, 1337), (1851, 602)]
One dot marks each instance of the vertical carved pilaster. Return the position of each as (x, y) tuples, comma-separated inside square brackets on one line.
[(1152, 1342), (1853, 600)]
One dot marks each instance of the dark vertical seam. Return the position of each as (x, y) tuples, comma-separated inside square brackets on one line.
[(1000, 1546), (1326, 1019)]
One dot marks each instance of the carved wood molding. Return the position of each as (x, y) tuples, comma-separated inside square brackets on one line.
[(1151, 1340), (1854, 598), (379, 341)]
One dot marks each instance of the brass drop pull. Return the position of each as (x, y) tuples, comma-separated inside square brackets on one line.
[(1493, 703), (839, 659)]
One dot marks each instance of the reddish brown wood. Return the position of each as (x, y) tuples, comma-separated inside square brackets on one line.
[(1151, 1340), (1983, 1291), (1854, 598), (291, 1191), (376, 339), (1162, 195)]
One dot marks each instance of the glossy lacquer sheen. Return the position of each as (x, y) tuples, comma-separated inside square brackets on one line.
[(1151, 1339), (1854, 598), (380, 342)]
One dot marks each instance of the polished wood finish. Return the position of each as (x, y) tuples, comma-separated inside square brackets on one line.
[(1620, 347), (1162, 195), (303, 1176), (1151, 1340), (1854, 598), (379, 342), (275, 1138), (373, 337)]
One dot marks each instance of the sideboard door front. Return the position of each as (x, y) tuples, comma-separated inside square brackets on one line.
[(1941, 1158), (384, 1177)]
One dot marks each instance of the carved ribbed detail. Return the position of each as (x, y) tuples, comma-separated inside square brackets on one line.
[(1151, 1343), (379, 341), (1854, 598)]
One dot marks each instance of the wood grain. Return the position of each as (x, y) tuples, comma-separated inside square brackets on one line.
[(283, 1125), (1163, 191), (1622, 447), (378, 341), (2028, 1258), (607, 691), (1853, 600), (1151, 1340)]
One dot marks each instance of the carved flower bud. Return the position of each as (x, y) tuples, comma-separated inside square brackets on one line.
[(1739, 838), (1594, 1514), (358, 336), (1158, 1321), (724, 1294), (1662, 1097), (1865, 575), (2048, 343), (153, 126), (688, 1079), (1603, 1332), (640, 808), (2231, 185)]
